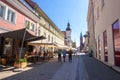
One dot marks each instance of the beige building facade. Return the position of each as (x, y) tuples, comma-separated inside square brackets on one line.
[(47, 28), (91, 31), (54, 37), (50, 31), (106, 27)]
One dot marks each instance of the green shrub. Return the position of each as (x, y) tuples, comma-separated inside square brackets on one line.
[(22, 60)]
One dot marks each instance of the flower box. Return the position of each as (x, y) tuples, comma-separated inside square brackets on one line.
[(22, 63)]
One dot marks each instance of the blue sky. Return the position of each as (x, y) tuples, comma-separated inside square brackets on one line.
[(62, 11)]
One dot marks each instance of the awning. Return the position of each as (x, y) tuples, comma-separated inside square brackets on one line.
[(62, 46), (18, 34), (38, 43), (35, 38)]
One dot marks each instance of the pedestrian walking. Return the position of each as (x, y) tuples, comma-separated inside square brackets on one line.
[(59, 54), (64, 55), (75, 52), (70, 55)]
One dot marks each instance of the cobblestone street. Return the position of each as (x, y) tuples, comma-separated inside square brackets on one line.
[(81, 68)]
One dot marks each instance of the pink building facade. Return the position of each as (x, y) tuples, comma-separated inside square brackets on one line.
[(15, 15), (13, 19)]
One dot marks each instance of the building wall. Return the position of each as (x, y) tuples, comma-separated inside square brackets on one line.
[(42, 23), (91, 31), (48, 28), (20, 17), (104, 17), (52, 32)]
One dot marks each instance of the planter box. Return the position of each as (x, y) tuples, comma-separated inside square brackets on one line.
[(22, 65)]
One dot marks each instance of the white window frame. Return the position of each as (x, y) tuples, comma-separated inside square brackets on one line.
[(3, 15), (32, 26), (10, 17), (27, 24)]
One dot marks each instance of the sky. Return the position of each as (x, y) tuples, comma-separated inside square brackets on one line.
[(63, 11)]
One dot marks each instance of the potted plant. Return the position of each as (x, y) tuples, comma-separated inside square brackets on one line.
[(3, 61), (22, 63)]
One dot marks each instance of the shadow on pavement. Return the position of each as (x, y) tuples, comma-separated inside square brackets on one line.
[(37, 71), (98, 71)]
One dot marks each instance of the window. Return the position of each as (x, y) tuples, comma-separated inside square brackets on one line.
[(32, 27), (44, 34), (39, 31), (52, 39), (49, 25), (48, 37), (102, 3), (116, 41), (68, 36), (27, 24), (97, 12), (99, 47), (11, 16), (2, 9), (105, 45)]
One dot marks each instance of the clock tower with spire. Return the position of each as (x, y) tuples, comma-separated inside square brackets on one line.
[(68, 35)]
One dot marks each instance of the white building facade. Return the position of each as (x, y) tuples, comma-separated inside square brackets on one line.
[(105, 20)]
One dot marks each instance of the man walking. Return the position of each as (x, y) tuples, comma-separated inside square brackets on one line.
[(64, 55), (70, 55), (59, 54)]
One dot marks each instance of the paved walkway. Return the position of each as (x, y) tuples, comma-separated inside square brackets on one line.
[(81, 71), (72, 71), (81, 68), (85, 68), (38, 71), (96, 70), (67, 71)]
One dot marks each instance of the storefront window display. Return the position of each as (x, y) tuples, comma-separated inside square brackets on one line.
[(8, 48)]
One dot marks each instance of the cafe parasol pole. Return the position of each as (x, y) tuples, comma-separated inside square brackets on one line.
[(22, 46)]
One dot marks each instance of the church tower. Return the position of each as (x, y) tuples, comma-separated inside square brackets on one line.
[(81, 42), (68, 35)]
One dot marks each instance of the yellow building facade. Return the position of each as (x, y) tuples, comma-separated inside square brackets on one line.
[(47, 28)]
